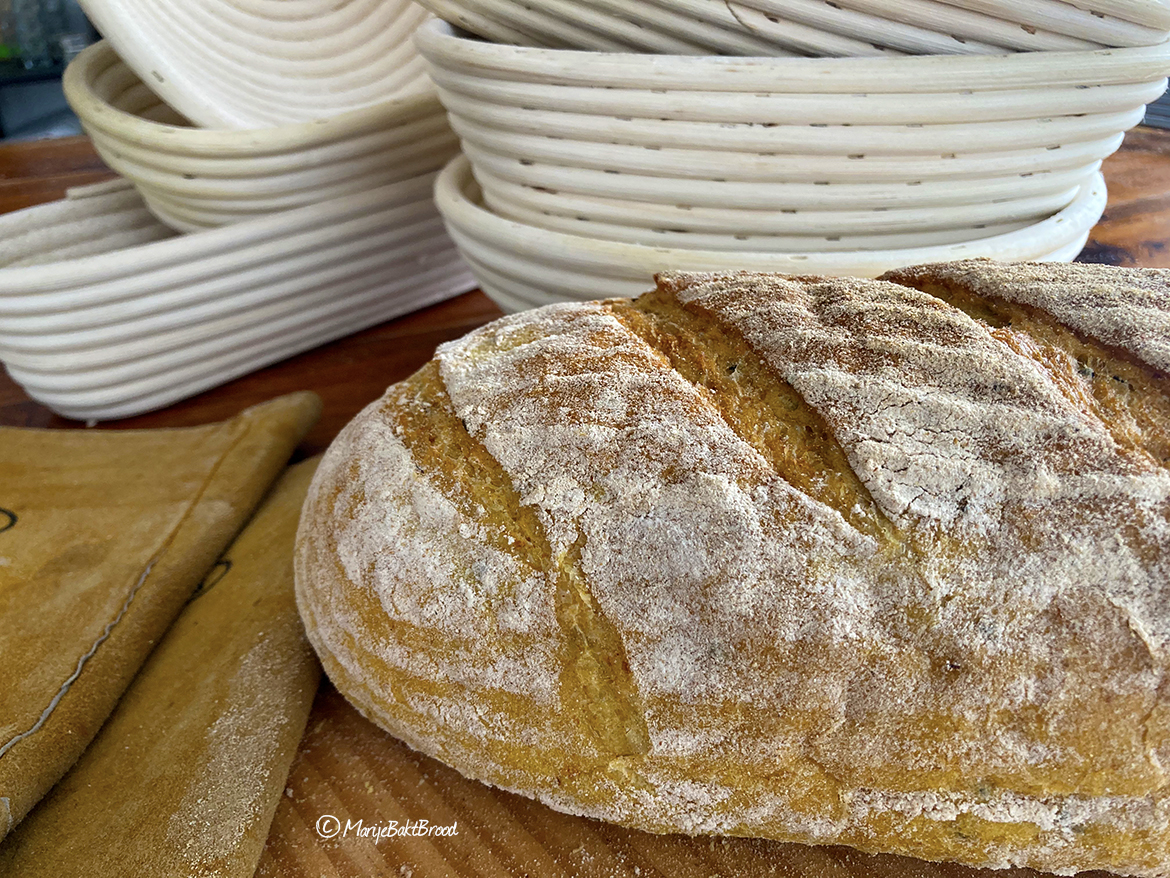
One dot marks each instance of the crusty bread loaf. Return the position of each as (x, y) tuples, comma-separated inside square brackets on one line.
[(823, 560)]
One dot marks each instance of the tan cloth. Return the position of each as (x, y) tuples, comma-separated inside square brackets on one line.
[(185, 776), (106, 536)]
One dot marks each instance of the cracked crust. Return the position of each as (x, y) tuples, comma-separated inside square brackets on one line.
[(812, 559), (1126, 308)]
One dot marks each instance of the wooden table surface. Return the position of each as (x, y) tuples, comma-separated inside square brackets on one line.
[(348, 768)]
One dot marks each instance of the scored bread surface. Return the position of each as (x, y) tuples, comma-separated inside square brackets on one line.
[(822, 560)]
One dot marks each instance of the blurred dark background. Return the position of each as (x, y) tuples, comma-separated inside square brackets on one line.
[(37, 39)]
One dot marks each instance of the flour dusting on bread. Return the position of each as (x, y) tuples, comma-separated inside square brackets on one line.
[(1128, 308), (569, 558)]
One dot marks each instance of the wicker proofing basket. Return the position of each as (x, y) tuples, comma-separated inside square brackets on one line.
[(195, 178), (847, 28), (786, 155), (106, 313), (522, 266)]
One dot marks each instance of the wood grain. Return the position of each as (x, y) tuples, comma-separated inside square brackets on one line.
[(41, 170), (347, 767), (1135, 229)]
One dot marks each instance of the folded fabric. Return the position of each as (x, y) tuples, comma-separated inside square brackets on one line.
[(103, 538), (185, 776)]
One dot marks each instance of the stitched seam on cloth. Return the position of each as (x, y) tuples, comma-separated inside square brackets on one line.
[(47, 712), (72, 678)]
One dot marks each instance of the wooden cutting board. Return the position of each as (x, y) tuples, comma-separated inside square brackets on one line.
[(349, 770)]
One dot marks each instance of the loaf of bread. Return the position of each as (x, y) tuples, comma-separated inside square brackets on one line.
[(812, 559)]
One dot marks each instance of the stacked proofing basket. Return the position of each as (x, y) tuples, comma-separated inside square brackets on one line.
[(277, 194), (604, 140)]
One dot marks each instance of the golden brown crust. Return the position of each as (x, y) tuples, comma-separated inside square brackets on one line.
[(854, 589), (1127, 309), (1117, 345)]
